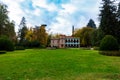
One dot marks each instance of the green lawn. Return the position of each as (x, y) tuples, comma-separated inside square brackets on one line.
[(60, 64)]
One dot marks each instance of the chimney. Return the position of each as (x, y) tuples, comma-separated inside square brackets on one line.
[(73, 30)]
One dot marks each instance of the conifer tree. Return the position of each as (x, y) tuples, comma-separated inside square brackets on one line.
[(118, 12), (108, 21), (91, 24), (118, 26), (22, 30)]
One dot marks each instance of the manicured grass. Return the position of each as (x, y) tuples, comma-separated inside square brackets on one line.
[(59, 64)]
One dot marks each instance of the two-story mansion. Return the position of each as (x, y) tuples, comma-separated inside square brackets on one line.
[(65, 42)]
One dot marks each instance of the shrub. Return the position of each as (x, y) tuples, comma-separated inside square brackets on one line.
[(6, 44), (35, 44), (28, 44), (109, 43)]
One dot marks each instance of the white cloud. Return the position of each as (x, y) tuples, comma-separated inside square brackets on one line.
[(75, 12), (15, 11), (68, 8), (37, 12), (43, 4)]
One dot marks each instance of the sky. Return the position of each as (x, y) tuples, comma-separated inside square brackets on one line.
[(59, 15)]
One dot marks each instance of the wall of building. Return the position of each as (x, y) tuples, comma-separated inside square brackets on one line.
[(72, 42), (66, 42), (54, 42)]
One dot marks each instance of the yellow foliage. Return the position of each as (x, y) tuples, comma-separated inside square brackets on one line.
[(29, 35), (85, 35)]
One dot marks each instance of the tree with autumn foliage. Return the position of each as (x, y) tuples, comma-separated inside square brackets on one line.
[(29, 35), (85, 36), (42, 35)]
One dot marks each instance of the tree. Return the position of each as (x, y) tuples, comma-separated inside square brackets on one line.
[(6, 26), (49, 40), (29, 35), (23, 34), (10, 31), (3, 17), (22, 30), (6, 44), (108, 21), (118, 12), (91, 24), (57, 35), (77, 32), (22, 23), (109, 43), (42, 36), (118, 26), (96, 37), (85, 36)]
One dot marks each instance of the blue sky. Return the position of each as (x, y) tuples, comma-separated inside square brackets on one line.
[(59, 15)]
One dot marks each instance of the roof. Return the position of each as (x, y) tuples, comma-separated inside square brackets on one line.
[(55, 38)]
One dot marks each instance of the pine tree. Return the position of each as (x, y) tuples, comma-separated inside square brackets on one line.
[(118, 12), (108, 21), (22, 30), (91, 24)]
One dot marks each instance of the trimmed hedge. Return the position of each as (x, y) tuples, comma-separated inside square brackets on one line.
[(109, 43), (6, 44)]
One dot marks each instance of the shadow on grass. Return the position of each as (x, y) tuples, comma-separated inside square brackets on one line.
[(2, 52), (110, 53)]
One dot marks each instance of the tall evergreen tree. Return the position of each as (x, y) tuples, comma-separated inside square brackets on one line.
[(108, 21), (22, 30), (118, 26), (118, 12), (91, 24)]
